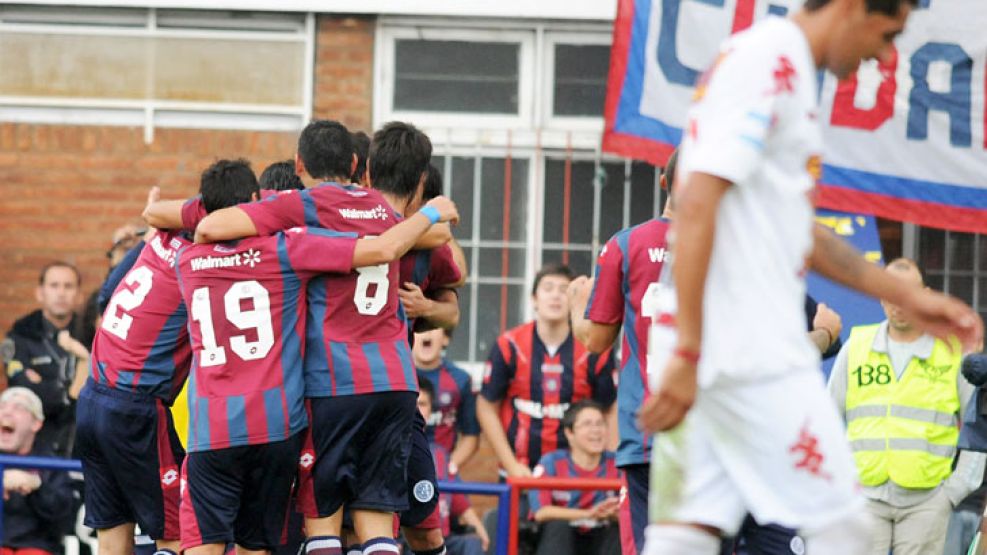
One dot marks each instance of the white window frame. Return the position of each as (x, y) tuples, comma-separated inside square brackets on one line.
[(151, 113), (567, 123), (387, 37)]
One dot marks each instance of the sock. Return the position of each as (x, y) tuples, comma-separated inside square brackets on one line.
[(679, 540), (441, 550), (380, 546), (323, 545), (355, 549)]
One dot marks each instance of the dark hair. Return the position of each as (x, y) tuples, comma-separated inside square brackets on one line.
[(59, 264), (569, 418), (84, 328), (398, 157), (433, 183), (281, 176), (227, 183), (669, 171), (361, 146), (326, 149), (552, 269), (887, 7), (425, 386)]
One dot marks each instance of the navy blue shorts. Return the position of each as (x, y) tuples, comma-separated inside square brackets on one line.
[(239, 494), (356, 453), (766, 539), (423, 496), (634, 507), (131, 458)]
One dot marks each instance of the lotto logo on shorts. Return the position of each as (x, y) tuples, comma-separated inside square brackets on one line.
[(169, 478), (306, 460)]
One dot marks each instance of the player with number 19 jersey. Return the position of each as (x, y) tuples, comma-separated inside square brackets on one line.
[(125, 435), (357, 338), (246, 304)]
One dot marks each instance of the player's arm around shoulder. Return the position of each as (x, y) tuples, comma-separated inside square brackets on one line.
[(399, 239)]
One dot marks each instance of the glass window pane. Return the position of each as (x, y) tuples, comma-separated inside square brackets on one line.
[(50, 65), (459, 346), (492, 262), (456, 76), (581, 262), (494, 199), (934, 281), (580, 79), (611, 200), (960, 250), (643, 189), (961, 287), (460, 182), (931, 249), (137, 68), (580, 202), (230, 71), (491, 299)]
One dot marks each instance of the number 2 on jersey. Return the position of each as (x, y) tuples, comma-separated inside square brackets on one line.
[(126, 300), (259, 318)]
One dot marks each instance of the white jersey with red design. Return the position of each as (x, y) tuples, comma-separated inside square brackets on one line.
[(754, 124)]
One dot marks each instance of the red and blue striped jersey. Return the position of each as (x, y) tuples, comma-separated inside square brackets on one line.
[(630, 262), (357, 334), (430, 270), (454, 406), (142, 342), (559, 464), (537, 387), (246, 304)]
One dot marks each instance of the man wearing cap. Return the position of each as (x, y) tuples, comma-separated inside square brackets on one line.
[(902, 394), (35, 502)]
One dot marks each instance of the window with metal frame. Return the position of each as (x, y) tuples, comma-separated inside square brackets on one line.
[(189, 68), (954, 263)]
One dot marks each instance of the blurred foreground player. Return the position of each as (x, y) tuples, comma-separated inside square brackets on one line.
[(763, 435)]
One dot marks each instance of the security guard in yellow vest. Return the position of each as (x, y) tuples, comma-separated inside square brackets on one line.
[(902, 395)]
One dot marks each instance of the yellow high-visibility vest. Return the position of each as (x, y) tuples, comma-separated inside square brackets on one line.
[(179, 414), (905, 431)]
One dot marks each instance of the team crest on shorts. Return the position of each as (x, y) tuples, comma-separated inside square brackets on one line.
[(424, 491), (797, 545), (306, 460)]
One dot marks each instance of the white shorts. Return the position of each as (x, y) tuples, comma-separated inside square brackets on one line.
[(776, 449)]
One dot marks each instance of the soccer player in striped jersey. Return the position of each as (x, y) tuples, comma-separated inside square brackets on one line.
[(126, 438), (359, 377), (246, 393), (628, 264), (578, 522)]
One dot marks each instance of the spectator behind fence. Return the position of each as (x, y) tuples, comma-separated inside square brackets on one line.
[(451, 505), (966, 520), (901, 393), (36, 503), (582, 522), (44, 357)]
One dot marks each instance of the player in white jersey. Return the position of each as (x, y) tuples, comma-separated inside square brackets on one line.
[(761, 434)]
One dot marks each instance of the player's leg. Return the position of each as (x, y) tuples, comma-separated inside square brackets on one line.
[(211, 499), (693, 500), (634, 507), (261, 521), (382, 468), (327, 468), (421, 523), (107, 509), (782, 436)]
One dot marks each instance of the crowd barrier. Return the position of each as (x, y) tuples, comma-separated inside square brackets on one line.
[(508, 494)]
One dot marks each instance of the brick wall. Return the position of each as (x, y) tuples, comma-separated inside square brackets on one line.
[(66, 188)]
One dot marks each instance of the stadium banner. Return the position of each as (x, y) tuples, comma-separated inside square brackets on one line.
[(854, 308), (905, 140)]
